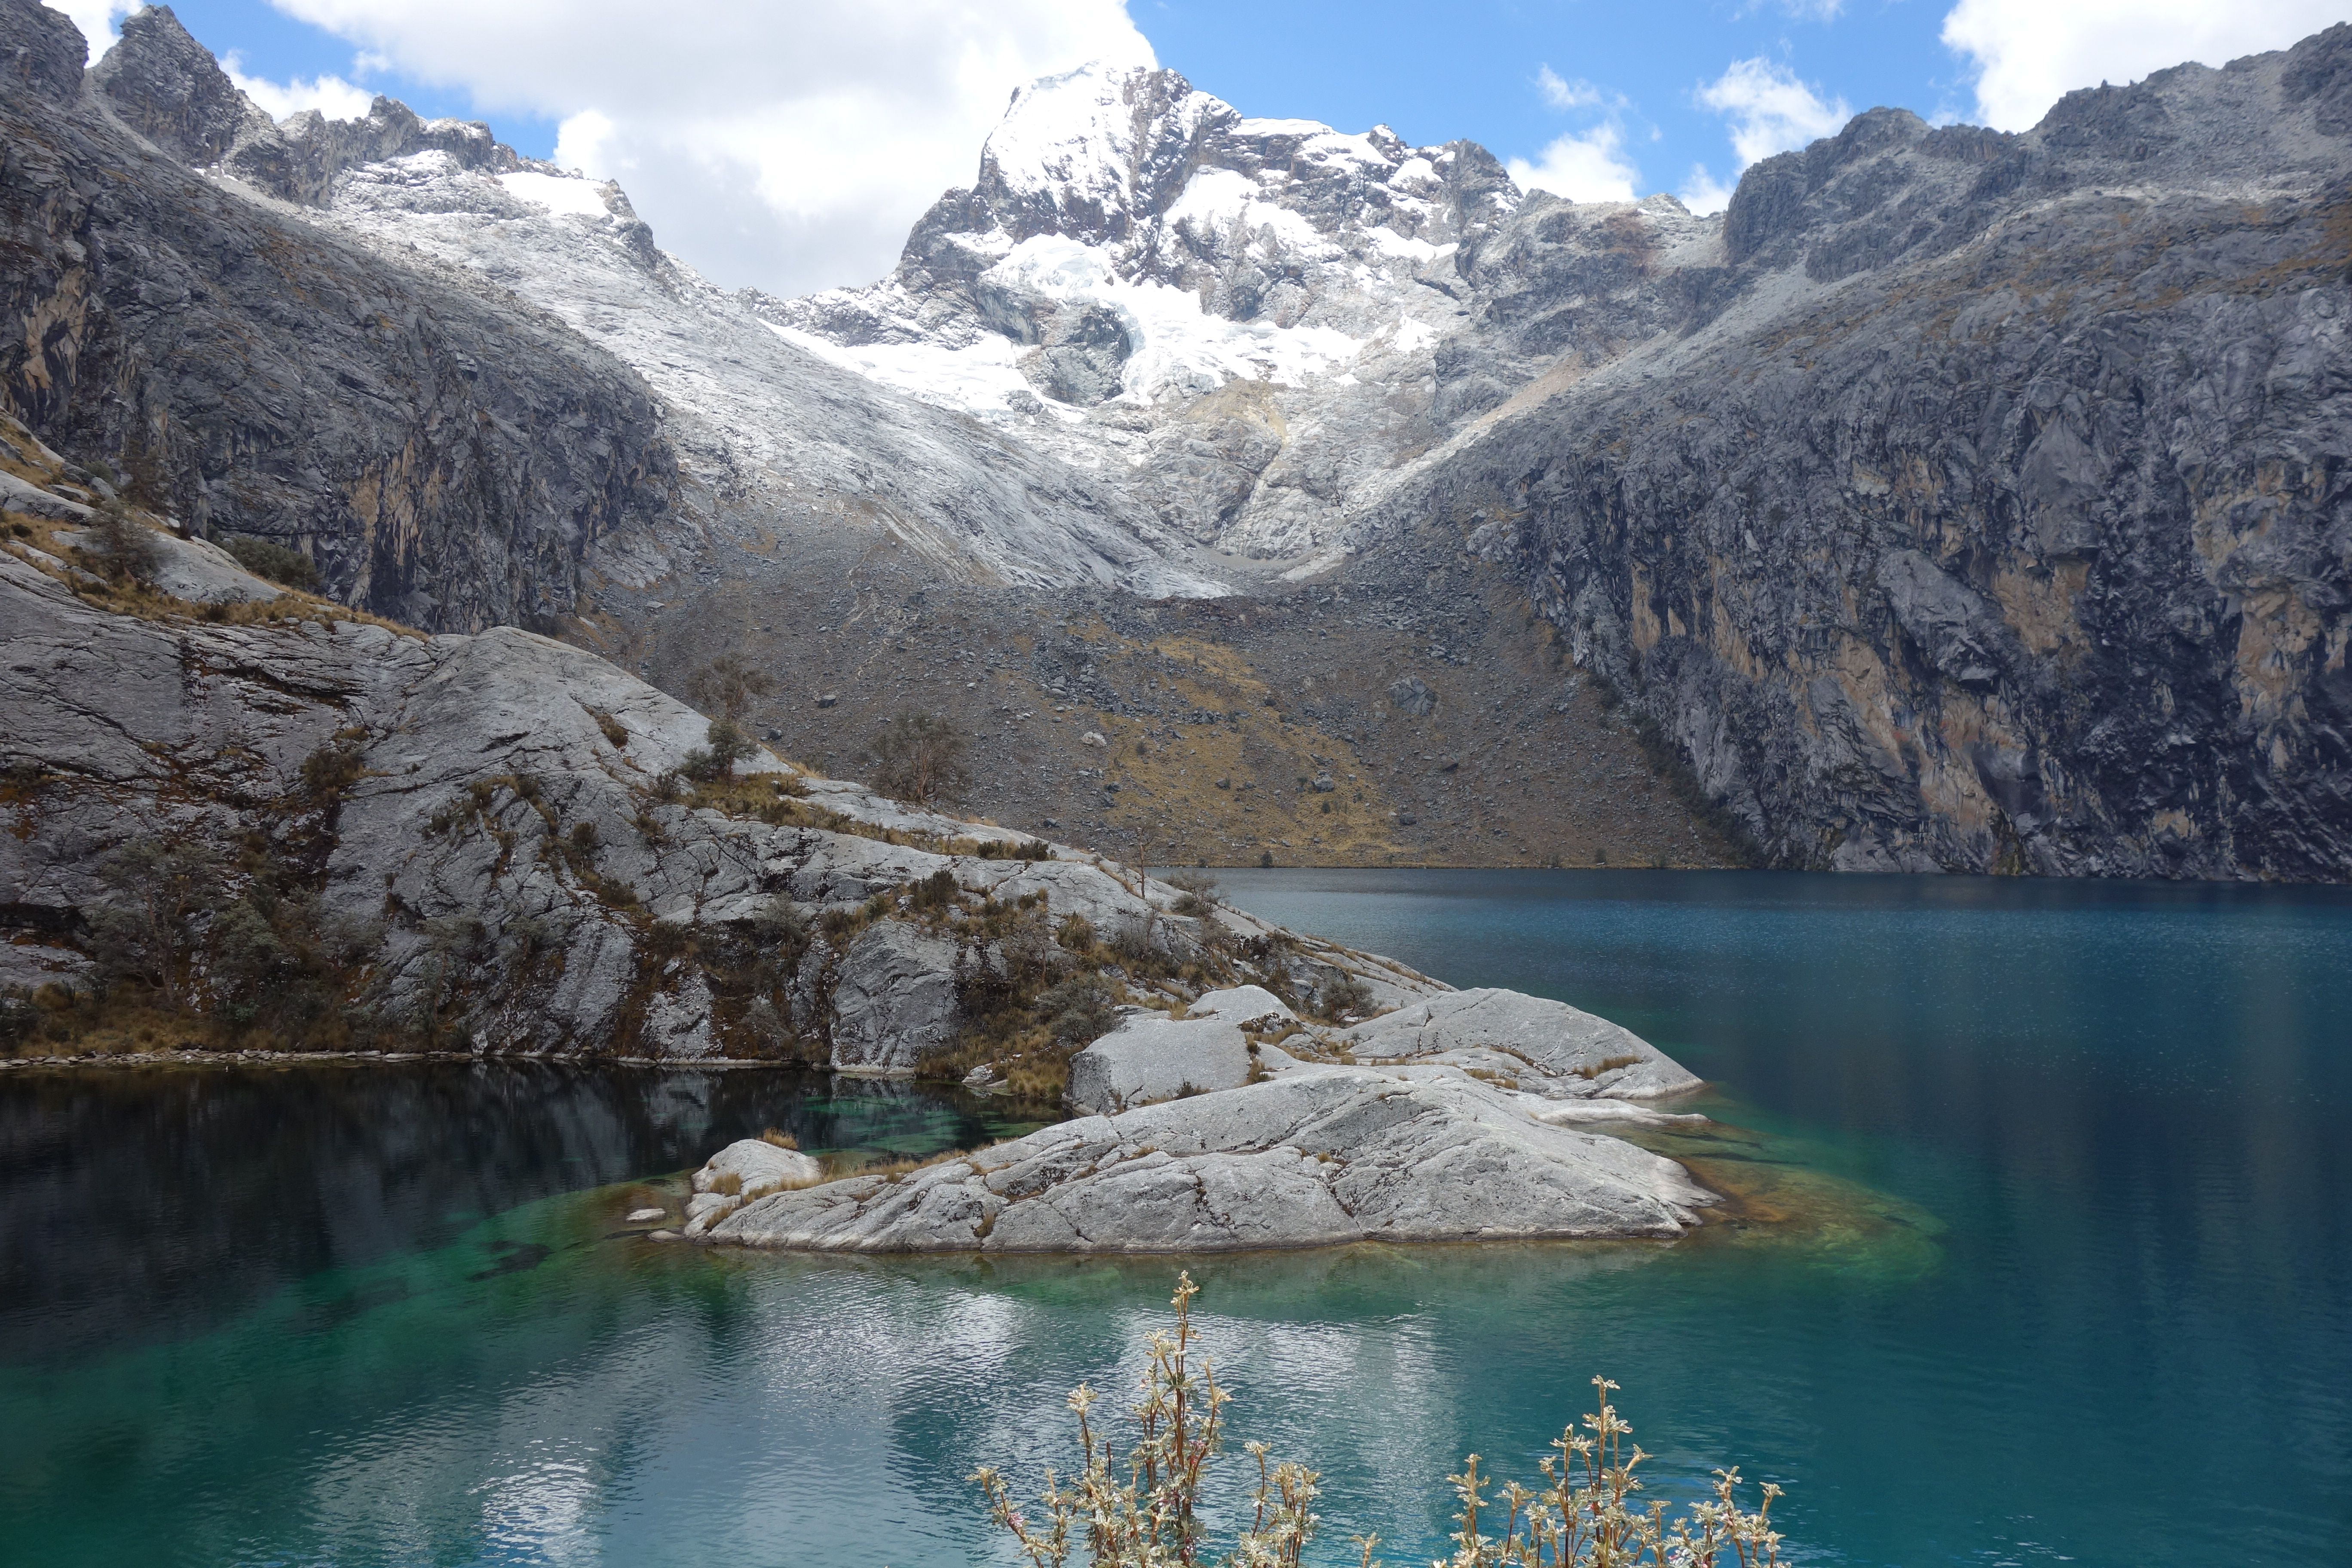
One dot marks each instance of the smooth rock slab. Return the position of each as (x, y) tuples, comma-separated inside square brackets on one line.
[(760, 1166), (1545, 1047), (1316, 1157), (1150, 1057), (894, 1002)]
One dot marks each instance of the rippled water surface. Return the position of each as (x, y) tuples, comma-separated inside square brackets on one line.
[(2047, 1260)]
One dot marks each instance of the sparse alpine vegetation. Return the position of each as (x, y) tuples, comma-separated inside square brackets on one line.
[(1143, 1508)]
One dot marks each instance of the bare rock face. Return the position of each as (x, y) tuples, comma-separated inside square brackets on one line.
[(1974, 507), (444, 458), (894, 1001), (1318, 1157), (1150, 1057), (746, 1169), (484, 827), (1536, 1044)]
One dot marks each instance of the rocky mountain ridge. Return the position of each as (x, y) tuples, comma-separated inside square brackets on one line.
[(1986, 514), (1956, 501)]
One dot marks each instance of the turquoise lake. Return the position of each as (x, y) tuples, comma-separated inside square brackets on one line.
[(2044, 1257)]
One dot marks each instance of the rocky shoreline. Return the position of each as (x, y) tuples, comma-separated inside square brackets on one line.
[(1240, 1126)]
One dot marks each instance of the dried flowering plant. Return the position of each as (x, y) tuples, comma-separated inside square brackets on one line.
[(1141, 1511)]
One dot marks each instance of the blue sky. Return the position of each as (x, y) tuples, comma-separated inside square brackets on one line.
[(1472, 69), (790, 143), (1432, 73)]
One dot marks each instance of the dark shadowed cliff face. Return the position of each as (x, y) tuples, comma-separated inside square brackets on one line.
[(1987, 509), (447, 458)]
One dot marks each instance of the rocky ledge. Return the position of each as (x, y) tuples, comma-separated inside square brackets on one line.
[(1240, 1125), (1315, 1156)]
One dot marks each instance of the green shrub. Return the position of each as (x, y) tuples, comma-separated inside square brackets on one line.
[(1079, 1012), (125, 549), (331, 769), (275, 561), (1196, 891), (715, 762)]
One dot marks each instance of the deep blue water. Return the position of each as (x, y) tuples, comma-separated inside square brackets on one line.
[(2065, 1273)]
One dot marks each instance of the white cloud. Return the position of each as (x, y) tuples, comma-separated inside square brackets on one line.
[(1702, 192), (782, 142), (1566, 94), (96, 18), (2030, 53), (330, 95), (1590, 167), (1769, 109)]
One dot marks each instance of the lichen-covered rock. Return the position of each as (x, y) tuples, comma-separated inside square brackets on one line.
[(1316, 1157), (1531, 1042), (894, 1001)]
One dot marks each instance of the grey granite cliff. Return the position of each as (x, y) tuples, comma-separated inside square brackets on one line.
[(1981, 506)]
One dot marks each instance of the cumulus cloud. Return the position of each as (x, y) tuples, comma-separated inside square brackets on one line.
[(1562, 94), (1702, 192), (1590, 166), (1769, 109), (787, 143), (330, 95), (97, 20), (2029, 53)]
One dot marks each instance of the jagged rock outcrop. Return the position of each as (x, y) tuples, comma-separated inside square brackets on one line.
[(165, 86), (1318, 1157), (1985, 510), (894, 1001)]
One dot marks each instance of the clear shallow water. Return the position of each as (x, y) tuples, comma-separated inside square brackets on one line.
[(2069, 1276)]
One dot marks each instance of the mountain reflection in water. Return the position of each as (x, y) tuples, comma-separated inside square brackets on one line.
[(151, 1202)]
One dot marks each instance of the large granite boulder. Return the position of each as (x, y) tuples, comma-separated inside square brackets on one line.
[(1529, 1042), (746, 1169), (894, 1000), (1150, 1057), (1316, 1157)]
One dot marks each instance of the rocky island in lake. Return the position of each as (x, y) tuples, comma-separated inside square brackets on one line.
[(1238, 1125)]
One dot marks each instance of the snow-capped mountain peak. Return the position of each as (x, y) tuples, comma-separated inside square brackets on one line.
[(1132, 246)]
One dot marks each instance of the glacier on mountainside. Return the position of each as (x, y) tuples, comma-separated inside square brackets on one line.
[(776, 435)]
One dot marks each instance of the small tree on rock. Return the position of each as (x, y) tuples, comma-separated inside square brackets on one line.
[(159, 895), (730, 744), (918, 757), (125, 547)]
